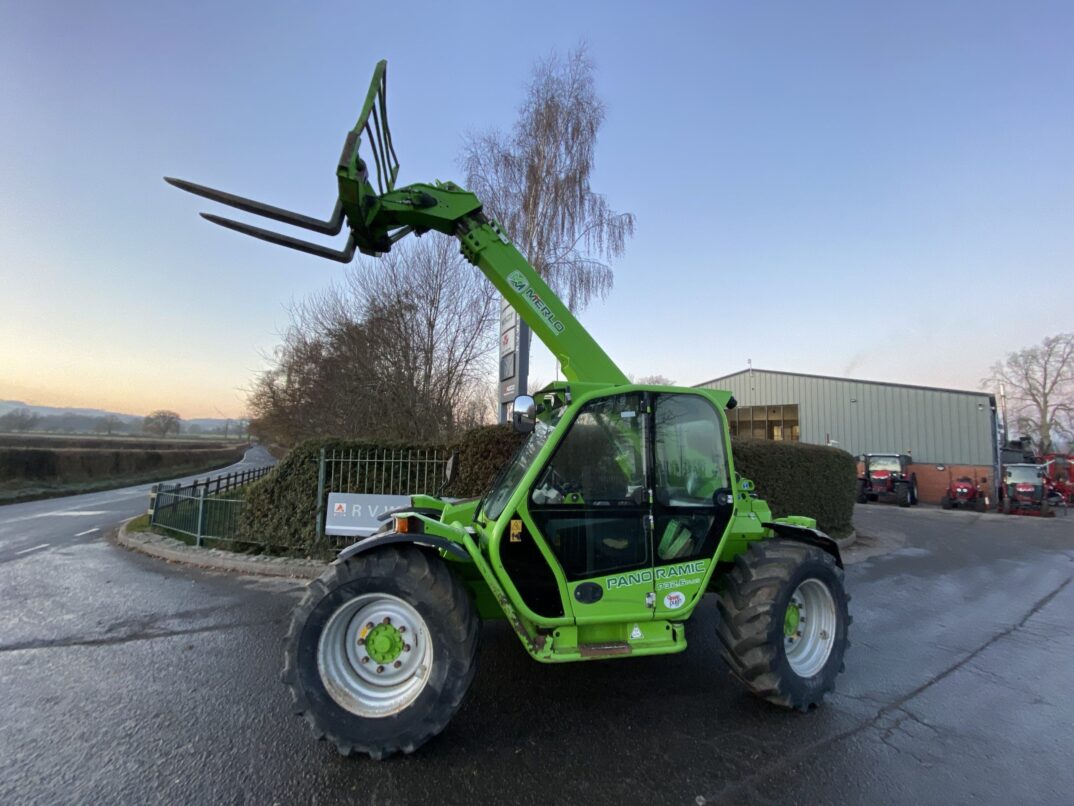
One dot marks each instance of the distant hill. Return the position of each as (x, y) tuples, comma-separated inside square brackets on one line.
[(74, 415)]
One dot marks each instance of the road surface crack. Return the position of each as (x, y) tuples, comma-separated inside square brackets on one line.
[(142, 635)]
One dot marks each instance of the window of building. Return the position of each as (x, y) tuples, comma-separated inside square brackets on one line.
[(778, 423)]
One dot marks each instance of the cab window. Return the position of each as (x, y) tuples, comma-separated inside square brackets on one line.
[(691, 465), (591, 501)]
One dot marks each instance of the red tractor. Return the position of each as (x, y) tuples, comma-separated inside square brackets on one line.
[(1024, 490), (1059, 477), (887, 477), (964, 493)]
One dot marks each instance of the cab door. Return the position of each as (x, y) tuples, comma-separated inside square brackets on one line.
[(693, 504), (591, 505)]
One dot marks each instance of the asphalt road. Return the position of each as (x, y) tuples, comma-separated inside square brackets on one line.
[(41, 526), (125, 679)]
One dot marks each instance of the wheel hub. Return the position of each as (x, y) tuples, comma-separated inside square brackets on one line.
[(375, 655), (384, 643)]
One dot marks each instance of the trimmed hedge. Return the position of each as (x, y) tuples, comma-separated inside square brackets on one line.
[(88, 464), (282, 507), (800, 479), (123, 443), (795, 479)]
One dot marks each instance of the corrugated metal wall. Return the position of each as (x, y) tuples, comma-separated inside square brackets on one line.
[(936, 426)]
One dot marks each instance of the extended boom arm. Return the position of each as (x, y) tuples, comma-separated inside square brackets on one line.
[(378, 217)]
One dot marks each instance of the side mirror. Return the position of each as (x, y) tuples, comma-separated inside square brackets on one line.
[(523, 414), (451, 472), (745, 485), (451, 468)]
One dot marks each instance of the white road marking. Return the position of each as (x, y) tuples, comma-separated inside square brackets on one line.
[(60, 513), (35, 548), (88, 531)]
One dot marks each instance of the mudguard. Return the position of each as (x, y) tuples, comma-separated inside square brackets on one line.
[(803, 534), (394, 538)]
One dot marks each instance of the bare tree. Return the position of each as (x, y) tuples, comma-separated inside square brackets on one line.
[(161, 422), (18, 420), (535, 181), (106, 424), (396, 352), (1039, 383), (653, 380)]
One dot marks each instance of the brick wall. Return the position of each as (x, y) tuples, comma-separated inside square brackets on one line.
[(931, 483)]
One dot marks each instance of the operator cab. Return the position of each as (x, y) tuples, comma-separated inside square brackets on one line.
[(638, 481)]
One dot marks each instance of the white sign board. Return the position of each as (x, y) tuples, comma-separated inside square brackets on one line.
[(356, 514)]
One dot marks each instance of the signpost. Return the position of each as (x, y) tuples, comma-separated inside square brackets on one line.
[(355, 514), (514, 358)]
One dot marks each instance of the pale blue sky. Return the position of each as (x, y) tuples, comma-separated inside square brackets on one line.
[(882, 190)]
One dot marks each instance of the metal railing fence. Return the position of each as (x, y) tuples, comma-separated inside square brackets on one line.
[(196, 509), (383, 471)]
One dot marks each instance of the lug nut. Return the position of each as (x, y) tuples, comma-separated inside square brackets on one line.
[(387, 620), (406, 647), (397, 664), (369, 626), (402, 628), (361, 642), (365, 660), (380, 669)]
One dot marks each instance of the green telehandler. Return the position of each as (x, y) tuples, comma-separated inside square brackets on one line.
[(597, 541)]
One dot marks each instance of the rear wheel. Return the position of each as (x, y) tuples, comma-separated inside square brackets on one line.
[(1006, 506), (903, 495), (381, 651), (913, 491), (945, 502), (979, 504), (784, 620)]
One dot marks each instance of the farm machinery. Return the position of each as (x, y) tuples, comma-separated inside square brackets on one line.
[(596, 542), (1059, 478), (1025, 491), (887, 477), (965, 493)]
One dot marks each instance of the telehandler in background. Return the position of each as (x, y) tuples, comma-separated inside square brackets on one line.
[(595, 542)]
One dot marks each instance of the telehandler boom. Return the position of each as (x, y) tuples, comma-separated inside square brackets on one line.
[(596, 541)]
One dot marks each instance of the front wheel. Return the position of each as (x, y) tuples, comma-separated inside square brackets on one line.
[(784, 621), (381, 651)]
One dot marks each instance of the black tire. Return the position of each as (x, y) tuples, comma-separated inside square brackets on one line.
[(421, 580), (979, 504), (902, 495), (1006, 506), (862, 497), (1046, 509), (945, 502), (913, 490), (753, 606)]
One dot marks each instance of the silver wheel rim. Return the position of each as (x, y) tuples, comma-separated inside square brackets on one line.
[(357, 680), (810, 645)]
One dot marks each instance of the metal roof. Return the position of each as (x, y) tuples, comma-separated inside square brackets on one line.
[(850, 380)]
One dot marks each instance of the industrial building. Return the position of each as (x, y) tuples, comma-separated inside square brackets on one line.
[(948, 432)]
